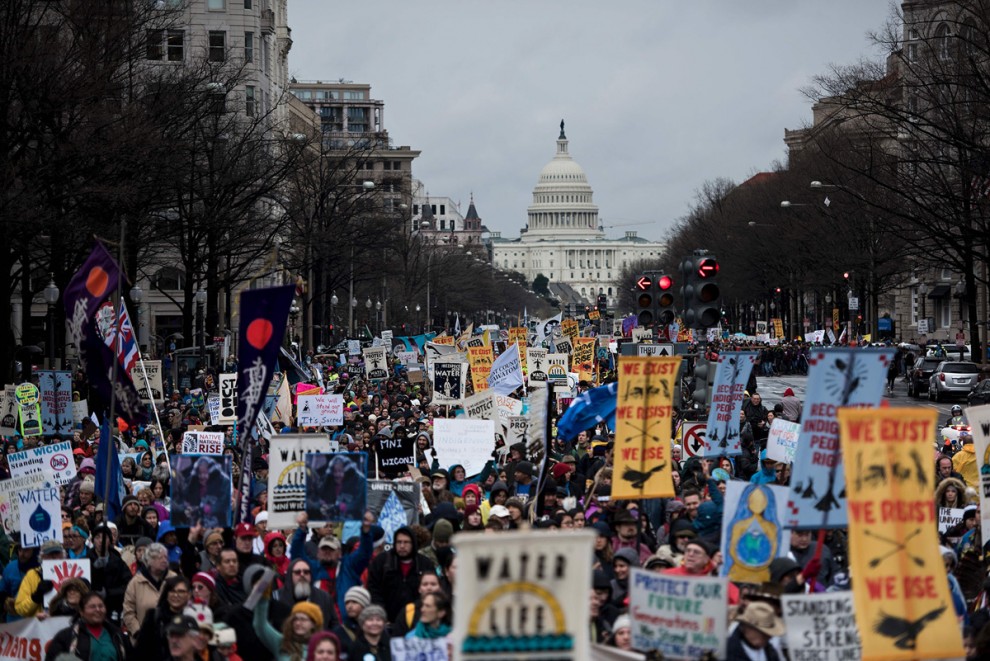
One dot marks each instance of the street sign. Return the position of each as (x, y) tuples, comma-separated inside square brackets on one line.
[(655, 350), (693, 439), (922, 326), (853, 302)]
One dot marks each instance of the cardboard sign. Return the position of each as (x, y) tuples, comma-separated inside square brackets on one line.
[(731, 374), (59, 571), (202, 442), (682, 617), (228, 400), (150, 389), (41, 517), (28, 402), (821, 626), (449, 381), (782, 440), (8, 411), (949, 517), (395, 503), (507, 578), (287, 476), (10, 510), (903, 605), (464, 441), (56, 401), (375, 363), (753, 533), (320, 410), (53, 461)]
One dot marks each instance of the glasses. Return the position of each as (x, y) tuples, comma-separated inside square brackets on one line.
[(300, 572)]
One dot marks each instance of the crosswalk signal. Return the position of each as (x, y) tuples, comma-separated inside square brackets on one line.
[(645, 313), (702, 307)]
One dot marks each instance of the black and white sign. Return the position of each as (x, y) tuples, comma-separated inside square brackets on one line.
[(228, 399), (394, 455), (202, 442), (448, 382), (375, 363), (537, 364), (655, 350), (151, 389)]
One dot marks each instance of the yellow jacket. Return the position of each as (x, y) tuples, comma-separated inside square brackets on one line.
[(25, 605), (964, 463)]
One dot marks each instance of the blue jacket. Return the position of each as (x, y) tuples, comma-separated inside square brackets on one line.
[(10, 583), (349, 571)]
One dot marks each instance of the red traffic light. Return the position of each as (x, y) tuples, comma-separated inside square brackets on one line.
[(665, 282), (708, 267), (643, 283)]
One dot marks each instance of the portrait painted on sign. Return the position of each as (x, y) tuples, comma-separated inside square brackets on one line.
[(754, 535), (336, 486), (201, 490)]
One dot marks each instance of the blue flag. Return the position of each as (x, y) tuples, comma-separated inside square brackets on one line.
[(108, 469), (593, 406)]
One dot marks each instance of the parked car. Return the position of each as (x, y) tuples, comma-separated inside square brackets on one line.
[(919, 374), (980, 393), (952, 378)]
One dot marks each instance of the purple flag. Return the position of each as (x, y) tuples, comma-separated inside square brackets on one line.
[(264, 313), (92, 284)]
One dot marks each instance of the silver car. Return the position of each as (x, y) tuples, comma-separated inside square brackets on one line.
[(952, 378)]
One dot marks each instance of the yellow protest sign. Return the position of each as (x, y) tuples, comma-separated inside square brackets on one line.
[(519, 335), (835, 319), (583, 357), (594, 315), (643, 427), (443, 339), (901, 594), (569, 327), (481, 360), (778, 327)]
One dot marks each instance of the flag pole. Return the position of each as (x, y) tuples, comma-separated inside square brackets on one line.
[(154, 408)]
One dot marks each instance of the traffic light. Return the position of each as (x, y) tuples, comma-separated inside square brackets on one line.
[(645, 313), (602, 304), (702, 307), (704, 378), (665, 301)]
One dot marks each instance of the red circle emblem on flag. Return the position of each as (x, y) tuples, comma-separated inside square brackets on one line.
[(259, 332), (97, 282)]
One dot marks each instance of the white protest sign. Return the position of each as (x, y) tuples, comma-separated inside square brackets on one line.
[(419, 649), (506, 407), (213, 405), (55, 461), (41, 517), (406, 357), (480, 406), (29, 638), (10, 511), (821, 626), (320, 410), (682, 617), (387, 340), (8, 411), (464, 441), (80, 411), (639, 334), (59, 571), (949, 517), (505, 579), (150, 390), (228, 400), (287, 475), (202, 442), (375, 363), (782, 440), (353, 347)]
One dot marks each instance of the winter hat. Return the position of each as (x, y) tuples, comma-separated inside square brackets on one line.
[(88, 486), (205, 579), (709, 520), (128, 500), (358, 595), (372, 611), (261, 518), (214, 536), (526, 467), (602, 528), (442, 531), (622, 622), (310, 610), (708, 548), (559, 470), (629, 556), (203, 616), (781, 567), (88, 466)]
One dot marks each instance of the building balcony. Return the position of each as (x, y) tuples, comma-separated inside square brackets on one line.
[(268, 21)]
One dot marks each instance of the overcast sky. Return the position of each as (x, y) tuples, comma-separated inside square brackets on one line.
[(658, 96)]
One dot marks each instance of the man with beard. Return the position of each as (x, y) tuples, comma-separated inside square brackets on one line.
[(131, 526), (300, 588), (393, 576)]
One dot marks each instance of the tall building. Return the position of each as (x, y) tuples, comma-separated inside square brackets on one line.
[(563, 239), (438, 218)]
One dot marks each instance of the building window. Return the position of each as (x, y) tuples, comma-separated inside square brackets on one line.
[(218, 45), (216, 5), (942, 44), (443, 224), (154, 49), (175, 45), (249, 101), (247, 4), (443, 209), (249, 46), (353, 95), (415, 209)]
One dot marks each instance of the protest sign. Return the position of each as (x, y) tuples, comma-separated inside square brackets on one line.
[(505, 579), (320, 410), (782, 440), (536, 363), (202, 442), (28, 403), (197, 397), (682, 617), (464, 441), (506, 373), (41, 516), (821, 627), (10, 511), (557, 366), (287, 475), (481, 360), (213, 406), (642, 427), (150, 390), (419, 649), (639, 334), (56, 401), (28, 639), (901, 593), (59, 571), (569, 328), (979, 421), (54, 461), (480, 406), (387, 340), (445, 340), (517, 430), (406, 357), (8, 411), (80, 411), (838, 377), (753, 531), (201, 490), (394, 455), (949, 517), (731, 375), (449, 381), (563, 345), (583, 354), (353, 347), (336, 487), (394, 503), (228, 399), (375, 363)]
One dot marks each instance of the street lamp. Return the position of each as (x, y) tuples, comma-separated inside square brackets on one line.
[(333, 303), (350, 324), (294, 310), (137, 295), (50, 294), (378, 317), (923, 293), (201, 325), (960, 292)]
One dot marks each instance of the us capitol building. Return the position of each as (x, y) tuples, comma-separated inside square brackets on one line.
[(563, 239)]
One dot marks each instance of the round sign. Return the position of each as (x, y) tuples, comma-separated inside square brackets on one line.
[(693, 442), (59, 462)]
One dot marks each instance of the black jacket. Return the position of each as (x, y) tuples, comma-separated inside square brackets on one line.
[(388, 587), (111, 575), (317, 596), (74, 638), (734, 648)]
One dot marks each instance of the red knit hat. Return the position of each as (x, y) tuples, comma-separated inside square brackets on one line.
[(205, 579), (559, 470)]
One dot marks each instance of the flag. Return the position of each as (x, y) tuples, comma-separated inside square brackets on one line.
[(587, 410), (506, 374), (457, 324), (108, 469), (127, 348)]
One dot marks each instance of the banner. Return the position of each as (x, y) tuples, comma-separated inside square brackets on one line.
[(152, 390), (56, 401), (202, 442), (287, 476), (682, 617), (642, 427), (508, 578), (506, 373), (821, 626), (480, 406), (228, 399), (393, 456), (584, 358), (200, 490), (464, 441), (731, 375), (28, 401), (569, 328), (546, 329), (263, 317), (375, 363), (753, 531), (320, 410), (782, 440), (27, 640), (53, 461), (481, 366), (336, 488), (837, 378), (449, 382), (8, 411), (394, 503), (903, 605), (41, 516), (979, 421)]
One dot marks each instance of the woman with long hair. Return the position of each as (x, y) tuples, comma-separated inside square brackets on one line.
[(289, 644), (152, 640)]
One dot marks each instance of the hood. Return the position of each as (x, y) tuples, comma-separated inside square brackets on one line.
[(164, 528), (271, 537), (498, 486), (788, 393), (473, 488), (450, 471), (629, 555), (411, 533), (945, 484)]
